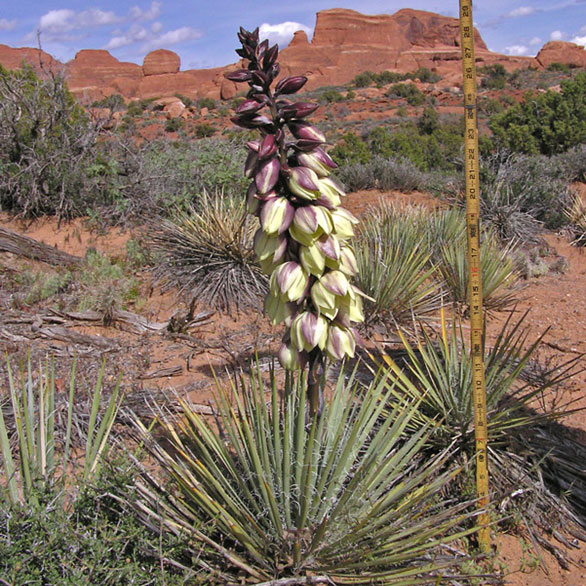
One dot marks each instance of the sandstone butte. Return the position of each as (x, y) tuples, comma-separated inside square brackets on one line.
[(344, 44)]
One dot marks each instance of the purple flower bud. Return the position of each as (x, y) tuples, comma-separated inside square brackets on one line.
[(276, 215), (306, 219), (239, 75), (259, 78), (329, 246), (270, 57), (274, 71), (249, 106), (304, 130), (250, 164), (306, 144), (268, 147), (297, 110), (253, 145), (246, 121), (303, 182), (267, 176), (261, 49), (290, 85), (317, 160)]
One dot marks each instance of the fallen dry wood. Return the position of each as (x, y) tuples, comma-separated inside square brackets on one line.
[(163, 372), (30, 248), (134, 322), (72, 337)]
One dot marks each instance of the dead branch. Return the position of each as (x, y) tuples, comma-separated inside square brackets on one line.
[(30, 248)]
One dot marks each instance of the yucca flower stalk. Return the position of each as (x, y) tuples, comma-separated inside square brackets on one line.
[(303, 239)]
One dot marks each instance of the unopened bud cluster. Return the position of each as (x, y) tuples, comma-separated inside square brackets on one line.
[(303, 239)]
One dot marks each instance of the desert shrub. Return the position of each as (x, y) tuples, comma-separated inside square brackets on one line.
[(394, 267), (156, 178), (547, 123), (429, 121), (95, 541), (208, 103), (563, 67), (425, 75), (115, 102), (137, 107), (345, 499), (204, 130), (331, 96), (364, 79), (573, 163), (382, 173), (350, 150), (46, 141), (174, 125), (208, 252), (187, 101), (521, 190), (409, 91), (493, 76)]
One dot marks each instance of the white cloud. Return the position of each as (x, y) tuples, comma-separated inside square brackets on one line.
[(522, 11), (134, 34), (58, 24), (153, 12), (535, 41), (7, 25), (517, 50), (281, 33), (556, 36), (153, 38), (174, 37), (579, 41)]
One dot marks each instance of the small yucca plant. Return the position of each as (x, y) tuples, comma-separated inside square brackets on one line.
[(499, 270), (576, 214), (36, 448), (438, 368), (346, 499), (208, 251), (394, 267)]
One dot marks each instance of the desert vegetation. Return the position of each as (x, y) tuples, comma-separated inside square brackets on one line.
[(339, 463)]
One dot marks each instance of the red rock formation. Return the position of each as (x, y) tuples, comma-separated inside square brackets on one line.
[(92, 73), (12, 58), (161, 62), (344, 44), (562, 52)]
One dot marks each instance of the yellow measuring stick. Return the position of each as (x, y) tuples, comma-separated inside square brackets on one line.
[(475, 274)]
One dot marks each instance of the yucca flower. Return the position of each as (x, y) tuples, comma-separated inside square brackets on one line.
[(303, 240)]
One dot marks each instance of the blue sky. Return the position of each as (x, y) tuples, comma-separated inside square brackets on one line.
[(203, 33)]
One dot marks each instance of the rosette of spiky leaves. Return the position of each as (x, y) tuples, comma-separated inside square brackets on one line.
[(529, 458), (303, 239), (208, 252), (347, 499)]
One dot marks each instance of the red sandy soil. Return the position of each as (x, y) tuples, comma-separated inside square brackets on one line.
[(556, 301)]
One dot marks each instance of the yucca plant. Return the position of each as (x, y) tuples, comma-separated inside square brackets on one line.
[(37, 448), (439, 368), (208, 252), (499, 271), (346, 499), (576, 214), (394, 267)]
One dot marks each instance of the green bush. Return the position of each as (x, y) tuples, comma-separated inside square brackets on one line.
[(425, 75), (331, 96), (174, 125), (547, 123), (409, 91), (493, 76), (205, 130), (46, 142), (351, 150), (206, 103)]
